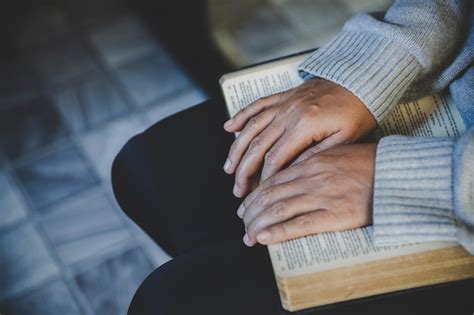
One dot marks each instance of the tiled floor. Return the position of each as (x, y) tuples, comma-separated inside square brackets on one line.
[(78, 89)]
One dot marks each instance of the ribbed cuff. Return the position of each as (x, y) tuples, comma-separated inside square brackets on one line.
[(376, 70), (413, 199)]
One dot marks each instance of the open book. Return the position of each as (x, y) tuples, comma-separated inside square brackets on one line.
[(339, 266)]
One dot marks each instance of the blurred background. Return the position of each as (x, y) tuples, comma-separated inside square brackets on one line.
[(79, 78)]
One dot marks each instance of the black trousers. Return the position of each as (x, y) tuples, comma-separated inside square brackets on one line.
[(169, 180)]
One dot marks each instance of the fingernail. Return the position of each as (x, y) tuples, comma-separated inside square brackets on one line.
[(240, 211), (246, 240), (236, 190), (264, 236), (228, 123), (227, 165)]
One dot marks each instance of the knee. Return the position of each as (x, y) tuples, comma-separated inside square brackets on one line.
[(157, 294), (222, 278), (122, 173)]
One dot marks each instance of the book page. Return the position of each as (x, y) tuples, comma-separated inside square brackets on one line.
[(431, 116), (241, 90), (333, 250)]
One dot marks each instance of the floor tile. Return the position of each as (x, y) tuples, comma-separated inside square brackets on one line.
[(86, 214), (86, 227), (60, 62), (90, 103), (55, 175), (24, 260), (95, 247), (102, 145), (110, 286), (52, 299), (150, 78), (12, 206), (180, 101), (123, 40), (30, 126)]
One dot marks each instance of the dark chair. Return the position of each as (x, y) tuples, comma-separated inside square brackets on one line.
[(183, 29)]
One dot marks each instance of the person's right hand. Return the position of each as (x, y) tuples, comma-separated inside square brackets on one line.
[(274, 130)]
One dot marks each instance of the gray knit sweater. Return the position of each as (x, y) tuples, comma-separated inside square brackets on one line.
[(424, 187)]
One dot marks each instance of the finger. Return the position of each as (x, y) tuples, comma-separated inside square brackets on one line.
[(240, 119), (314, 222), (282, 152), (253, 157), (282, 211), (270, 196), (286, 175), (327, 143), (254, 126)]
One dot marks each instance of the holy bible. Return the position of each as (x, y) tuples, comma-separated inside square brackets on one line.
[(339, 266)]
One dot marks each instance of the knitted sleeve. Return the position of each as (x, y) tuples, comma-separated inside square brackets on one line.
[(382, 57), (424, 190)]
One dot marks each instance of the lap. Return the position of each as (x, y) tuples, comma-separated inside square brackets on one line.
[(223, 278), (170, 181)]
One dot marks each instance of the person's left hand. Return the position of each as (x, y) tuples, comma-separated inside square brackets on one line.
[(328, 191)]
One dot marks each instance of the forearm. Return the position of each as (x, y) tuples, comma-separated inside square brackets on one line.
[(423, 190), (379, 58)]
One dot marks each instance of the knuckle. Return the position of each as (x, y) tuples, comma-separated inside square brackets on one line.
[(247, 219), (246, 204), (271, 181), (327, 98), (315, 160), (241, 174), (247, 222), (252, 227), (313, 108), (233, 149), (284, 231), (304, 222), (266, 196), (256, 144), (271, 158), (278, 210), (300, 170), (311, 112), (252, 124)]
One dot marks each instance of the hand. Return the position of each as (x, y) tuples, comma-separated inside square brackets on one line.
[(329, 191), (276, 129)]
